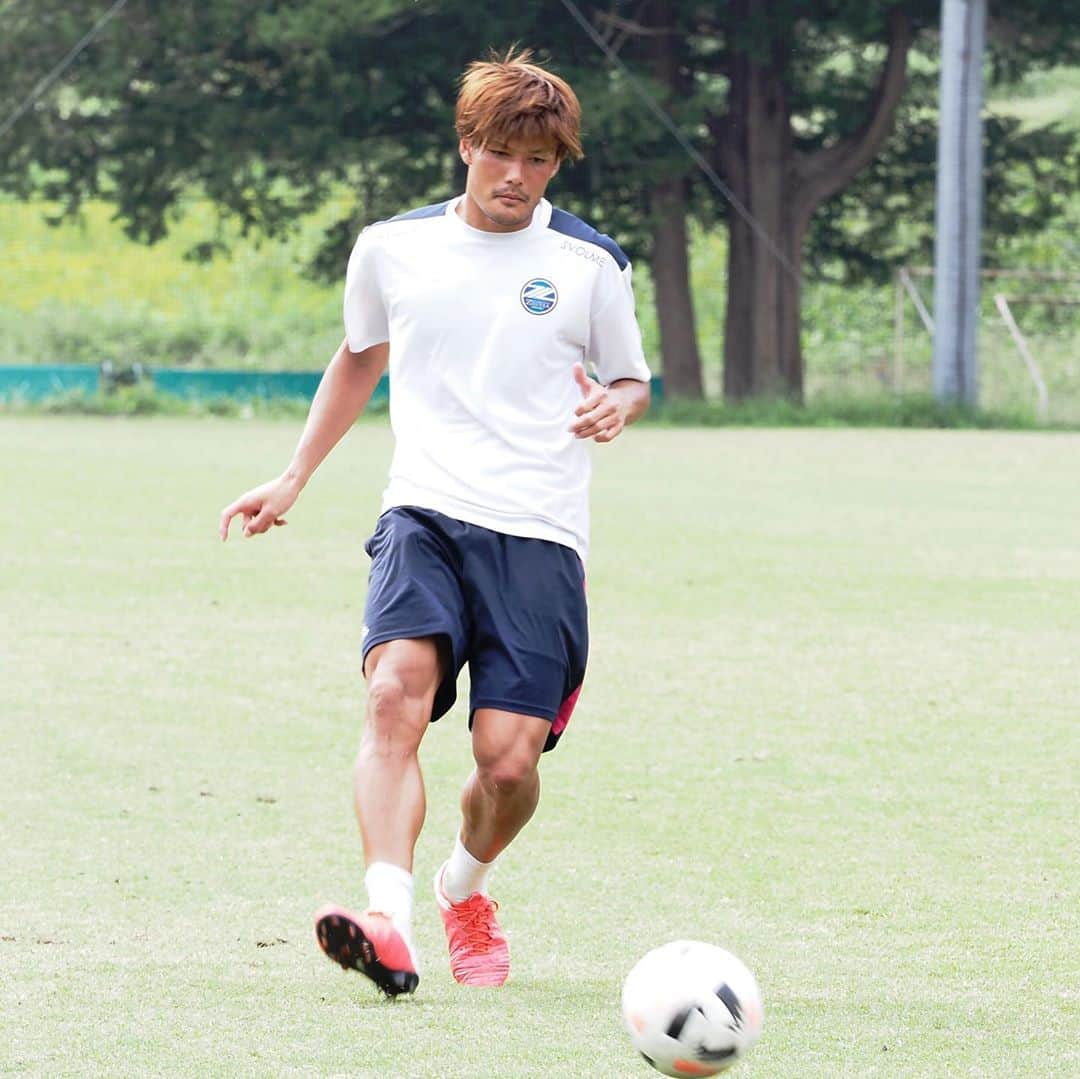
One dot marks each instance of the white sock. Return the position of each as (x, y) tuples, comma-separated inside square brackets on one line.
[(464, 874), (390, 892)]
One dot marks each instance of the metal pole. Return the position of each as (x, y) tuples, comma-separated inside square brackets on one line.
[(957, 243)]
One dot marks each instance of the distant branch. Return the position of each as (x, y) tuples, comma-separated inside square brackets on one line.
[(825, 172), (632, 26)]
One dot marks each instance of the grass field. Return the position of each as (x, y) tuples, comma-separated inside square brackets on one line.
[(830, 724)]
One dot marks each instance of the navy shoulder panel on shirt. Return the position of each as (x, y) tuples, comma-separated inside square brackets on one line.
[(435, 210), (574, 227)]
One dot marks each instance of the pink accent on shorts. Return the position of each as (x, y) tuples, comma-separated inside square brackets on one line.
[(558, 724)]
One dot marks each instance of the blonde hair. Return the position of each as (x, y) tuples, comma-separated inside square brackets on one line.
[(510, 98)]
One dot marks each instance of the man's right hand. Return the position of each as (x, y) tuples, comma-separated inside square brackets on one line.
[(262, 507)]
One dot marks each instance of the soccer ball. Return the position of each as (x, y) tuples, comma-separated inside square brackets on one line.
[(692, 1009)]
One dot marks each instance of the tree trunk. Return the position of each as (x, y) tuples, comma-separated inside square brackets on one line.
[(674, 305), (781, 188), (670, 247), (762, 351)]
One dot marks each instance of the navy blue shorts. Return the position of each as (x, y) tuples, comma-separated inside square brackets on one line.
[(511, 607)]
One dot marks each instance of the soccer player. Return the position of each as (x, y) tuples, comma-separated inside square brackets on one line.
[(486, 308)]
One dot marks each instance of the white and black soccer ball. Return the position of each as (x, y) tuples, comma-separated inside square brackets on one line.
[(692, 1009)]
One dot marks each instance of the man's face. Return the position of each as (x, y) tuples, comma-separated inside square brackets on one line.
[(505, 182)]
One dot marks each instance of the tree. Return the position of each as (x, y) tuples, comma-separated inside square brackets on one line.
[(793, 101), (881, 220), (261, 106), (266, 106), (744, 80), (782, 178), (668, 202)]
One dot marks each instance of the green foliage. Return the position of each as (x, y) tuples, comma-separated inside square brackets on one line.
[(886, 217), (134, 332), (1033, 34), (144, 400), (909, 410), (905, 411), (302, 121), (255, 310), (266, 108), (262, 108), (1042, 98), (83, 293)]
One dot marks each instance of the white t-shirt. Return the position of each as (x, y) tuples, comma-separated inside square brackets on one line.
[(484, 330)]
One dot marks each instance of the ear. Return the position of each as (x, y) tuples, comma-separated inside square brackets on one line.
[(465, 150), (558, 162)]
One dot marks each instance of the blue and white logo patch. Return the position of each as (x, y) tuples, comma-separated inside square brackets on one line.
[(539, 296)]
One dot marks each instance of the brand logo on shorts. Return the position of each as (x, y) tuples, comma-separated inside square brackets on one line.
[(539, 296)]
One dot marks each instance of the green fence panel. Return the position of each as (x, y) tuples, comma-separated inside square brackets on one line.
[(201, 385), (37, 382)]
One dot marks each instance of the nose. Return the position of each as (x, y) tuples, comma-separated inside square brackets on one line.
[(515, 170)]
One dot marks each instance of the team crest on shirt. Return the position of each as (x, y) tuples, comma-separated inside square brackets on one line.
[(539, 296)]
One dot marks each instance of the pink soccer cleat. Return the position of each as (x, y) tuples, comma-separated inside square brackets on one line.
[(479, 953), (368, 943)]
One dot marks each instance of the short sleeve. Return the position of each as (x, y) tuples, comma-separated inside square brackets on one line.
[(614, 336), (365, 311)]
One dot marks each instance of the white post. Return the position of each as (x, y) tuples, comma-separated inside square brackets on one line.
[(917, 300), (1025, 354), (957, 243), (898, 336)]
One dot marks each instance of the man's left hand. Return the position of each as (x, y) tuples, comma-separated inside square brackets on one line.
[(599, 416)]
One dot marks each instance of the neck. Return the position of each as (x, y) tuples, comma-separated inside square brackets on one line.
[(471, 213)]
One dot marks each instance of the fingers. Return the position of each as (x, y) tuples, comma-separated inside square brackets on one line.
[(260, 509), (257, 523), (227, 515), (245, 508), (585, 384), (611, 432), (256, 517), (602, 430), (602, 421), (598, 416)]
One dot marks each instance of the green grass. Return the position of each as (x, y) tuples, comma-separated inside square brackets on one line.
[(909, 410), (144, 400), (830, 724)]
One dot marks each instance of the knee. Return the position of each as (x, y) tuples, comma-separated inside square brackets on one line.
[(393, 722), (386, 700), (506, 774)]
